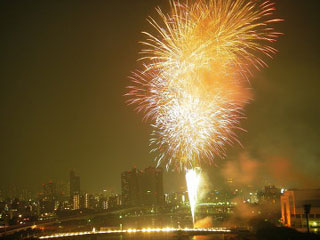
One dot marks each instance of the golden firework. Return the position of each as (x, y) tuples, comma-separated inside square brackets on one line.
[(193, 85)]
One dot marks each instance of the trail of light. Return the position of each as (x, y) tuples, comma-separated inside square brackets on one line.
[(193, 178), (133, 231)]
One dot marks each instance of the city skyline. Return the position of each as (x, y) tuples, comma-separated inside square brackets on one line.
[(64, 71)]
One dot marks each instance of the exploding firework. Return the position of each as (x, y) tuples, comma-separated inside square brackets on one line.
[(193, 84)]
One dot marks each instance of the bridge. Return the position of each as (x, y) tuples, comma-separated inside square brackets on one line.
[(120, 212), (171, 231)]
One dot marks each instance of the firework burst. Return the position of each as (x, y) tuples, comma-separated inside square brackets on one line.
[(193, 85)]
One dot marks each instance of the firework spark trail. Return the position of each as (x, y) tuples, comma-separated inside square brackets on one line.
[(193, 179)]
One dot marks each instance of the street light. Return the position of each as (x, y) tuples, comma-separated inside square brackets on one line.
[(307, 208)]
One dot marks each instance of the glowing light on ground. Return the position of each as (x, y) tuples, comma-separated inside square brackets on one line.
[(143, 230)]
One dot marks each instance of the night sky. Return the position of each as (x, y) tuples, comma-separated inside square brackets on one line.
[(63, 72)]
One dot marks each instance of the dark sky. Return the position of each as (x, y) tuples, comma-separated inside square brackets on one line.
[(63, 73)]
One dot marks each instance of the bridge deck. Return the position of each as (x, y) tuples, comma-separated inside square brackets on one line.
[(178, 231)]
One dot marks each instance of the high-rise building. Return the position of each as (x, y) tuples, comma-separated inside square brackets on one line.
[(74, 185), (130, 187), (152, 187), (114, 201), (48, 197), (88, 201), (142, 187), (62, 189), (50, 190), (105, 204), (76, 201)]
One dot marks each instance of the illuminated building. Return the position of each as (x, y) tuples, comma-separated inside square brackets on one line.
[(24, 195), (105, 204), (46, 206), (176, 198), (74, 185), (114, 201), (253, 197), (49, 190), (272, 194), (76, 201), (293, 204), (142, 187), (87, 200), (47, 202)]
